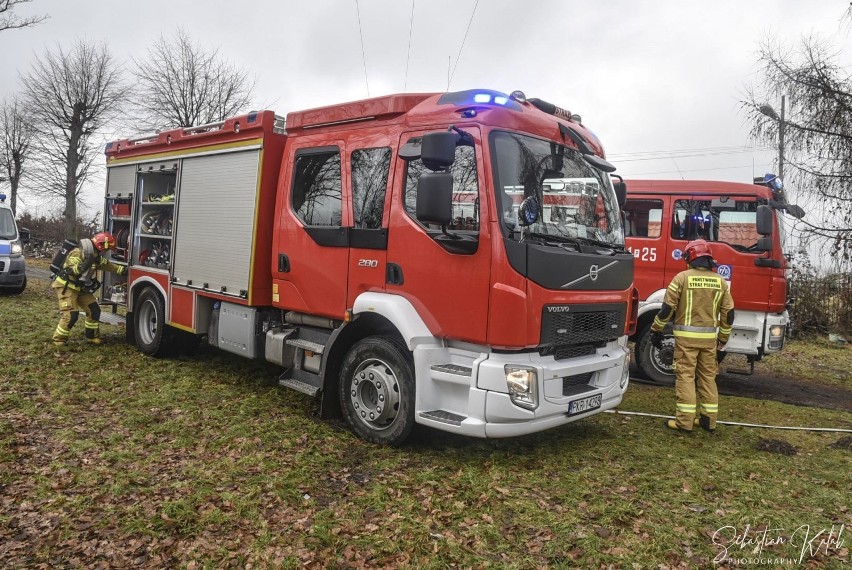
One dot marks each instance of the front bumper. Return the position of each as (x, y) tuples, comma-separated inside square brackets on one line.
[(482, 407), (12, 271)]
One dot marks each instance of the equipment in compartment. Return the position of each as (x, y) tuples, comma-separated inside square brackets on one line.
[(156, 256), (157, 223)]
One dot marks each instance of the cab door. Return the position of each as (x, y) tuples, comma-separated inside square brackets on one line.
[(444, 275), (368, 202), (646, 237), (311, 252)]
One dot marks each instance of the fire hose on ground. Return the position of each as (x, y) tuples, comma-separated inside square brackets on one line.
[(795, 428)]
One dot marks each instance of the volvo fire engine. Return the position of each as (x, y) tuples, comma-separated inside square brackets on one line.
[(742, 223), (396, 256)]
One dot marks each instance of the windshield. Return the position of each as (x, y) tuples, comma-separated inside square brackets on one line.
[(576, 201), (7, 224)]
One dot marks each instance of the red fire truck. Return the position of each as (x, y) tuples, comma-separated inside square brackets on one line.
[(741, 221), (395, 256)]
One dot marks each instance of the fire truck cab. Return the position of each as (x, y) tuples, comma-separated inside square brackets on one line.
[(742, 224), (395, 256)]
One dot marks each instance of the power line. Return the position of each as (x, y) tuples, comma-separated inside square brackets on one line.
[(408, 57), (462, 44), (363, 54), (695, 170), (615, 158), (711, 148)]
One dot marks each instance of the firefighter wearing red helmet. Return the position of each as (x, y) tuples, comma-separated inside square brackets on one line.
[(700, 302), (75, 284)]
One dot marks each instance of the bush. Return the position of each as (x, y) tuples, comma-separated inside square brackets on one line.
[(47, 234)]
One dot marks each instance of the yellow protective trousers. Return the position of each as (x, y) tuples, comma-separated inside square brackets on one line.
[(70, 303), (695, 369)]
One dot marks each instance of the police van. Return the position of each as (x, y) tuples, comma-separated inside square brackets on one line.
[(13, 276)]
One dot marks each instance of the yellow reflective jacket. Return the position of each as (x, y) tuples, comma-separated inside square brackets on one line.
[(700, 301), (78, 274)]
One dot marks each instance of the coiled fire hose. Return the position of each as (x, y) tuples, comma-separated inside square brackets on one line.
[(832, 430)]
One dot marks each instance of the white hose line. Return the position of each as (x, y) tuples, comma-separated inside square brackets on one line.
[(835, 430)]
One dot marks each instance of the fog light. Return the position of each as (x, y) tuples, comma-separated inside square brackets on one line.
[(523, 386)]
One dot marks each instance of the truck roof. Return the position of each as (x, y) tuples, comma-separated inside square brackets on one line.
[(711, 187), (480, 106)]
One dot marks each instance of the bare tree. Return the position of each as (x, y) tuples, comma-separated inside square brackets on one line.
[(182, 85), (817, 134), (70, 96), (11, 21), (15, 138)]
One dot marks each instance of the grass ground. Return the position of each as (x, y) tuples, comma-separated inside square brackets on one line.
[(109, 458)]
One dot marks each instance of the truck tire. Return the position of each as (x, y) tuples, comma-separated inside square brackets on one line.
[(149, 325), (656, 365), (377, 390)]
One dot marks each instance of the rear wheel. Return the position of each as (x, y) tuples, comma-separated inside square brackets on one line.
[(377, 390), (149, 324), (657, 365)]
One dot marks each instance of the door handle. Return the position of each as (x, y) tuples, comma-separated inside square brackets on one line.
[(394, 274), (283, 263)]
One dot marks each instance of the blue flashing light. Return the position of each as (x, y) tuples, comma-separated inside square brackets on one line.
[(500, 100), (252, 117), (482, 98), (2, 197)]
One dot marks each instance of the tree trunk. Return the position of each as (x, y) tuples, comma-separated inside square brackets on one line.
[(72, 164)]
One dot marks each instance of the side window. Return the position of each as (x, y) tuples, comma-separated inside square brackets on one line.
[(738, 228), (735, 223), (465, 190), (370, 170), (317, 187), (643, 218)]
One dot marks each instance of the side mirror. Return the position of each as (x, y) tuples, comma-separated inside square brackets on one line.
[(764, 244), (435, 198), (796, 211), (620, 188), (24, 233), (438, 150), (764, 220)]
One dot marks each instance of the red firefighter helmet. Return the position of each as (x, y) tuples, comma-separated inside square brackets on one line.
[(103, 241), (695, 249)]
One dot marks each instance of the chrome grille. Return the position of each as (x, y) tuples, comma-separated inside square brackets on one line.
[(581, 324)]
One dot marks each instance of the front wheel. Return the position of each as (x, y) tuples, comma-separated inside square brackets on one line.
[(20, 288), (658, 365), (377, 390), (149, 324)]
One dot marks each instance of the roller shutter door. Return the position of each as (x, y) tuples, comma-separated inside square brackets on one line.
[(121, 181), (215, 221)]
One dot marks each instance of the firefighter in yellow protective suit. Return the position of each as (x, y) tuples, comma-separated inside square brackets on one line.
[(703, 310), (76, 283)]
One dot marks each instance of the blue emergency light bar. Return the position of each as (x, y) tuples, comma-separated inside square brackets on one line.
[(2, 197), (479, 97)]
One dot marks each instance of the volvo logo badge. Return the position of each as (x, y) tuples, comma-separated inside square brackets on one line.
[(593, 273)]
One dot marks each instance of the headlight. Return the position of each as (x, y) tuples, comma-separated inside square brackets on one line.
[(523, 386), (625, 373), (776, 330), (16, 249)]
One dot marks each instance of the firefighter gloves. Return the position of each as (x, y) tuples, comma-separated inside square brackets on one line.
[(657, 340)]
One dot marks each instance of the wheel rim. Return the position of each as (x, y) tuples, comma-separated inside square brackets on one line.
[(146, 320), (662, 359), (374, 394)]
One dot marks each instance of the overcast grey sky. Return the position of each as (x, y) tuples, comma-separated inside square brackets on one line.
[(658, 76)]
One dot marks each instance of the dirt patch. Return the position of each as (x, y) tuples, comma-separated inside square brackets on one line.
[(775, 446), (788, 390), (842, 443), (777, 388)]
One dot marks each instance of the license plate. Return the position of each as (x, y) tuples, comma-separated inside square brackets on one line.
[(584, 404)]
